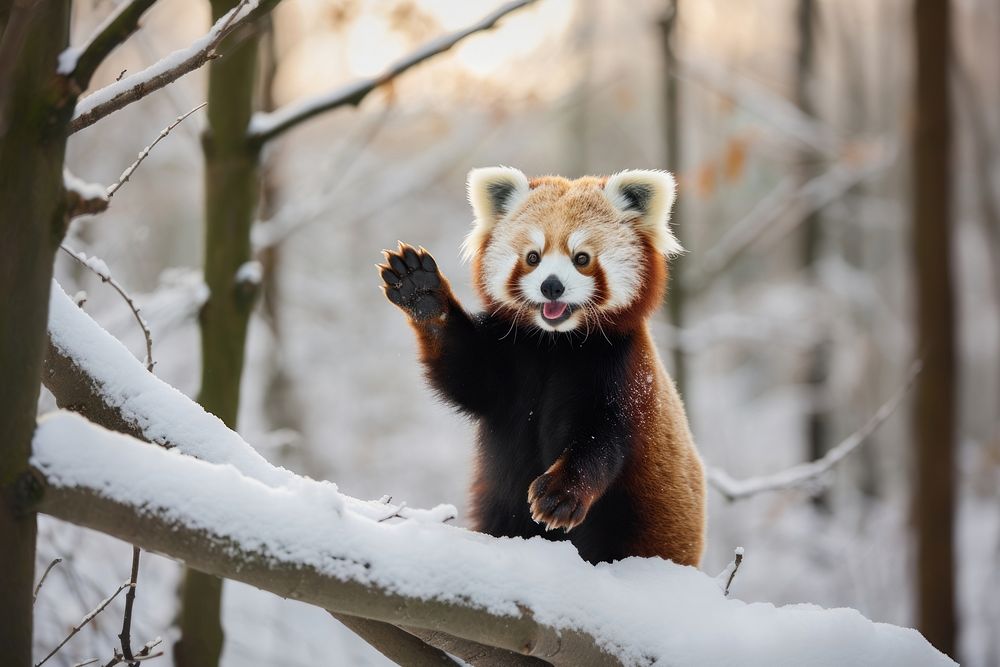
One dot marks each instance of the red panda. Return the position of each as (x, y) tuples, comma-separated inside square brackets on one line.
[(582, 435)]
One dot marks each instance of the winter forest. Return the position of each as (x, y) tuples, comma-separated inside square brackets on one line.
[(218, 445)]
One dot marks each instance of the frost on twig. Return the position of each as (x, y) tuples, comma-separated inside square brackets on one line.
[(808, 473), (725, 578), (91, 615), (144, 153), (97, 265)]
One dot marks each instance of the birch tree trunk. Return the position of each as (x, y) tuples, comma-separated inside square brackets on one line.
[(33, 117)]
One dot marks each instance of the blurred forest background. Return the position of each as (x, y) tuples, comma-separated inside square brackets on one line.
[(790, 319)]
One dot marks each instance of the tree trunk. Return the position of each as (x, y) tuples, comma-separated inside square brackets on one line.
[(671, 129), (231, 193), (817, 414), (934, 412), (34, 111)]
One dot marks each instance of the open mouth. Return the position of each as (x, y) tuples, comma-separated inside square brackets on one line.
[(556, 312)]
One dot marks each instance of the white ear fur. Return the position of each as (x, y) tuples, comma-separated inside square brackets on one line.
[(494, 193), (650, 193)]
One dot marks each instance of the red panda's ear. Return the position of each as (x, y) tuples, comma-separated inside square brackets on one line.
[(649, 194), (494, 193)]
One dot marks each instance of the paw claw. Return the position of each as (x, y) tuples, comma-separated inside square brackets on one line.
[(555, 504)]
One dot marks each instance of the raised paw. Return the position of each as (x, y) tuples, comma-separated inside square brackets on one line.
[(556, 502), (412, 282)]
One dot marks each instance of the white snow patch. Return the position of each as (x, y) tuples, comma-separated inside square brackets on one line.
[(82, 188), (67, 60), (643, 610), (251, 272)]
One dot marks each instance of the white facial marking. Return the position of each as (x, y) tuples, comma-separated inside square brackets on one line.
[(576, 239), (622, 271), (537, 239)]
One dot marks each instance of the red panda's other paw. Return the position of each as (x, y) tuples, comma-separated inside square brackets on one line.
[(557, 503), (412, 282)]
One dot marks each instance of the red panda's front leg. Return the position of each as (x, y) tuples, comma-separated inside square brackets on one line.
[(562, 496), (451, 347)]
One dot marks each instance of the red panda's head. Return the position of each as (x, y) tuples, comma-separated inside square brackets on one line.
[(571, 255)]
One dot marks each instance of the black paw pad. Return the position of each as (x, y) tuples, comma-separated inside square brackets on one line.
[(412, 282)]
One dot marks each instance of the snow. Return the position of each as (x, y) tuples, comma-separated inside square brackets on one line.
[(166, 416), (643, 610), (251, 272), (67, 60), (85, 190)]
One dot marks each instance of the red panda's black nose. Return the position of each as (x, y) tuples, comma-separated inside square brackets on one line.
[(552, 288)]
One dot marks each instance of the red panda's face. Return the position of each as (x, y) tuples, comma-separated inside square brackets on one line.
[(570, 255)]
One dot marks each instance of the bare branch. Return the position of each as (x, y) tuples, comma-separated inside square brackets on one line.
[(55, 561), (145, 653), (737, 561), (127, 174), (784, 209), (132, 88), (80, 63), (125, 636), (266, 126), (101, 270), (805, 473), (91, 615)]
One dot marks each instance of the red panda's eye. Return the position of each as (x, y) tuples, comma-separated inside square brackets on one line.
[(581, 259), (533, 258)]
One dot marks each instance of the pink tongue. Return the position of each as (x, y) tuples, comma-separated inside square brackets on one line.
[(553, 310)]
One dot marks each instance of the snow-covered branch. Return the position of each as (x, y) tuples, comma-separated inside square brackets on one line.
[(528, 596), (811, 472), (168, 69), (266, 126), (79, 63)]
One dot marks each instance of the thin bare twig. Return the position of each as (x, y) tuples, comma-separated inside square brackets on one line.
[(168, 69), (125, 636), (805, 473), (86, 619), (783, 209), (266, 126), (737, 561), (101, 270), (55, 561), (127, 174), (145, 653)]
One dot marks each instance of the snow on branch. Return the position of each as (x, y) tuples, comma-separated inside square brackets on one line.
[(132, 88), (807, 473), (529, 596), (80, 63), (266, 126), (89, 369)]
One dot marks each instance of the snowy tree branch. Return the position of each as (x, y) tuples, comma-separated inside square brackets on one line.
[(395, 643), (80, 63), (806, 473), (132, 88), (266, 126), (333, 569)]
